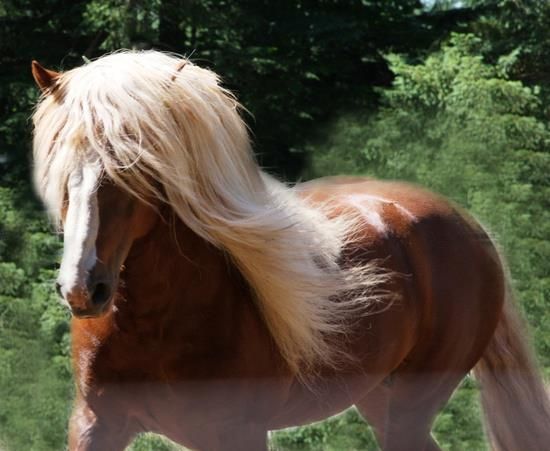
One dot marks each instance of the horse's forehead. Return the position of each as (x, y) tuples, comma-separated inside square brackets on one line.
[(82, 182)]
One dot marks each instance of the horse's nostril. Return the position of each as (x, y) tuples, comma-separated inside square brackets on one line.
[(102, 292), (58, 289)]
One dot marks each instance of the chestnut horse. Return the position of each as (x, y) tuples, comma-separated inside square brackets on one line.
[(212, 303)]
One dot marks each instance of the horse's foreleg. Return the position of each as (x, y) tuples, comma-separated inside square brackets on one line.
[(88, 432), (375, 407)]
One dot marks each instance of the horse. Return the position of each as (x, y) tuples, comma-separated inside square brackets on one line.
[(212, 303)]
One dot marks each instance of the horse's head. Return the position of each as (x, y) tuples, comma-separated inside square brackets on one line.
[(99, 220), (119, 136), (100, 223)]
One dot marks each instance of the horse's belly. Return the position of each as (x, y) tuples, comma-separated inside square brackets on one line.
[(309, 403)]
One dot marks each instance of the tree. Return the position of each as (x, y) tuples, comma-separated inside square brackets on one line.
[(293, 66)]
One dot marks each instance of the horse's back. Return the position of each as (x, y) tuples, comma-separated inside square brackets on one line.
[(398, 203)]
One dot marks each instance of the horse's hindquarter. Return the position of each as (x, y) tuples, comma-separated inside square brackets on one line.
[(447, 278), (446, 273), (379, 340)]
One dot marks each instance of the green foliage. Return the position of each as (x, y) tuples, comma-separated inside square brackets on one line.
[(34, 372), (153, 442), (517, 28), (286, 62), (458, 427), (345, 431), (121, 23)]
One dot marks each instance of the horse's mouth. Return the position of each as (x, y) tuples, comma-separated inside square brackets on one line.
[(92, 311)]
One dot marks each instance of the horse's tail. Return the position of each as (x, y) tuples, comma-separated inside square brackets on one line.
[(515, 403)]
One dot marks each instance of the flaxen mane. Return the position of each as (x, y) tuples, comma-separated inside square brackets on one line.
[(177, 136)]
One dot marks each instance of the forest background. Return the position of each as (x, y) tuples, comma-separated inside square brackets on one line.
[(452, 95)]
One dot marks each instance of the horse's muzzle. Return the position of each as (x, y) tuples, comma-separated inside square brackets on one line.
[(90, 301)]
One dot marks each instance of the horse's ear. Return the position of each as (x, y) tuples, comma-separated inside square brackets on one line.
[(44, 78)]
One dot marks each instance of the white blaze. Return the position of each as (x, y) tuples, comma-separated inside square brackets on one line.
[(371, 206), (80, 229)]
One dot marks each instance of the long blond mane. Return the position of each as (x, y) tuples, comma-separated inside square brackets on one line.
[(176, 135)]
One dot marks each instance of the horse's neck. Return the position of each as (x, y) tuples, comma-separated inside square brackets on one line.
[(186, 310), (174, 279)]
